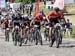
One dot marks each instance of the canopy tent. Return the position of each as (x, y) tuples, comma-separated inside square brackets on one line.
[(2, 4), (68, 1)]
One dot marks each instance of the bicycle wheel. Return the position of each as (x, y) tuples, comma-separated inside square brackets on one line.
[(40, 38), (57, 36), (7, 36), (26, 39), (13, 38), (46, 34), (52, 40), (21, 41), (36, 38), (16, 39), (30, 37)]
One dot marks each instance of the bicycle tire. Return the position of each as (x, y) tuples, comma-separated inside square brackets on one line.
[(57, 36)]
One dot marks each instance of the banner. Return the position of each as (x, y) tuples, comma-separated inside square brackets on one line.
[(36, 10), (15, 6), (59, 4)]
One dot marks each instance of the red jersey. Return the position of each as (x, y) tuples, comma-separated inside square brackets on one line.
[(54, 15), (40, 19)]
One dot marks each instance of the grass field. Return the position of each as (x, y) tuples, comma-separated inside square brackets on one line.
[(73, 32)]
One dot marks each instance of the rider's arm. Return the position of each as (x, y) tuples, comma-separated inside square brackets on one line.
[(3, 23), (49, 16), (42, 20), (31, 22), (62, 17), (47, 19)]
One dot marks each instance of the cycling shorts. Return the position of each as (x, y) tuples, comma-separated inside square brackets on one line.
[(18, 24), (37, 23), (53, 22)]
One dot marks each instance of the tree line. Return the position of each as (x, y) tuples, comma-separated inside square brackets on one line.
[(25, 1)]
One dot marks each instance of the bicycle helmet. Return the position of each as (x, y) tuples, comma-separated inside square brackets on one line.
[(56, 9)]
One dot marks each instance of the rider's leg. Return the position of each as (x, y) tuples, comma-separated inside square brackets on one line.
[(5, 35), (12, 33), (50, 33)]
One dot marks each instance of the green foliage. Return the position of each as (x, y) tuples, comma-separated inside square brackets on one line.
[(73, 32), (17, 1), (25, 1)]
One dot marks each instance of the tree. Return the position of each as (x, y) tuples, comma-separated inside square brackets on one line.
[(25, 1), (17, 1)]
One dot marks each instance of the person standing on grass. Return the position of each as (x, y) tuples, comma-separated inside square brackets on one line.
[(68, 28)]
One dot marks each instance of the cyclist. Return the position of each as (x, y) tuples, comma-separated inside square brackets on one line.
[(68, 28), (53, 18), (37, 22), (16, 23), (17, 20), (6, 23)]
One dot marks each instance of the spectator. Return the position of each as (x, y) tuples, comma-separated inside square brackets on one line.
[(68, 28), (63, 27)]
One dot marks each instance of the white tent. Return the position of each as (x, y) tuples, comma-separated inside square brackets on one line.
[(15, 5), (68, 1), (2, 4)]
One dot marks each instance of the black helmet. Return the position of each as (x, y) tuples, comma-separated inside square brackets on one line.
[(56, 9)]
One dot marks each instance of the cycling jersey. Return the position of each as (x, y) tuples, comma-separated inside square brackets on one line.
[(6, 23), (38, 20), (55, 17), (16, 21)]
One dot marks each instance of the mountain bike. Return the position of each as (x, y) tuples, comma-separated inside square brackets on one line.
[(56, 36)]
